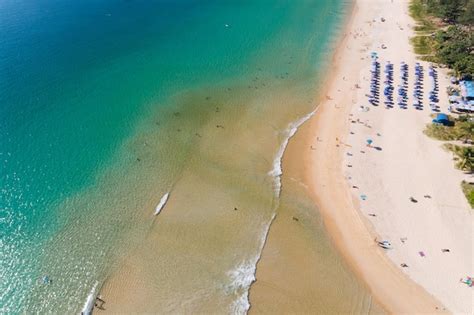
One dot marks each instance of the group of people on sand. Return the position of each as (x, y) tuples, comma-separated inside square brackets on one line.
[(385, 244)]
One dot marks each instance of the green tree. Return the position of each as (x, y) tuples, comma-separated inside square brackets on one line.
[(454, 47), (468, 16), (451, 10), (465, 66)]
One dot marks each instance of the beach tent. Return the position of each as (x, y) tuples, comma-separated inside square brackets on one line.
[(441, 119)]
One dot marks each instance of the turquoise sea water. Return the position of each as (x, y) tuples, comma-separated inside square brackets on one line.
[(82, 82)]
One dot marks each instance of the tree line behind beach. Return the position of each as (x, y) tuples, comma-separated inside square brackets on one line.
[(445, 33)]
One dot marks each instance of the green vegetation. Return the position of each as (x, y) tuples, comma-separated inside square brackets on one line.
[(468, 17), (422, 45), (444, 33), (422, 42), (463, 129), (464, 157), (440, 132), (417, 10), (454, 48), (451, 11), (468, 189)]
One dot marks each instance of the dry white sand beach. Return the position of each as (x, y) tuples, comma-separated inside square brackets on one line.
[(406, 164)]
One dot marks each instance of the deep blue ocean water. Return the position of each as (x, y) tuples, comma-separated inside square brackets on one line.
[(77, 78)]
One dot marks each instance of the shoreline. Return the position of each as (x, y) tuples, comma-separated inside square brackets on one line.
[(289, 248), (351, 231)]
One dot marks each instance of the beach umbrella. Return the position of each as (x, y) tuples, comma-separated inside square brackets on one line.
[(369, 141), (468, 281)]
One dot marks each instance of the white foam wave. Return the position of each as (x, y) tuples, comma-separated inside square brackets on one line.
[(288, 133), (90, 302), (162, 203), (242, 277)]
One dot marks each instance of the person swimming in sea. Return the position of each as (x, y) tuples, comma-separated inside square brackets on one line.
[(46, 280)]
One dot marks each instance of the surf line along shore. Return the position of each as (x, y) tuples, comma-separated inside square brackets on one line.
[(326, 140)]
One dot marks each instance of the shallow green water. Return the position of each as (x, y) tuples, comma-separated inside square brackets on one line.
[(108, 105)]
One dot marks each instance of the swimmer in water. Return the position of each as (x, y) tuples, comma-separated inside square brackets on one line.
[(46, 280)]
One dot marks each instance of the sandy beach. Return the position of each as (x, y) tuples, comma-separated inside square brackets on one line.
[(363, 193), (402, 163)]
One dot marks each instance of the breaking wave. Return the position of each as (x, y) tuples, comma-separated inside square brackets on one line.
[(288, 133), (243, 275)]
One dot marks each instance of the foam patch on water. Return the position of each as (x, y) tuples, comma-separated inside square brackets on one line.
[(288, 133), (162, 203), (90, 302), (242, 277)]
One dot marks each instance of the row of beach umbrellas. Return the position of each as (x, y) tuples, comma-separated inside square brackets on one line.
[(388, 85), (418, 87), (374, 80), (434, 89), (403, 88)]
